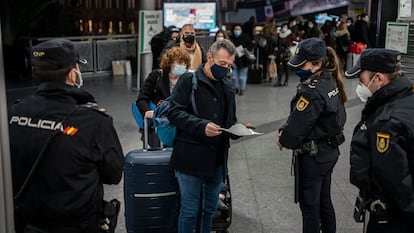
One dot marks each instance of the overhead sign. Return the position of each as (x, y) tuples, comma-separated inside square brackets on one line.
[(150, 24)]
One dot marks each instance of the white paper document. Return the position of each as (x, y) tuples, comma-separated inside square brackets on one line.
[(240, 51), (240, 130)]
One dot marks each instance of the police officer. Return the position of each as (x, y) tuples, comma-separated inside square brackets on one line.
[(81, 147), (314, 131), (382, 147)]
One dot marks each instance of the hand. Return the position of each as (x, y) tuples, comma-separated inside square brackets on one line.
[(149, 114), (212, 130), (277, 140), (249, 126)]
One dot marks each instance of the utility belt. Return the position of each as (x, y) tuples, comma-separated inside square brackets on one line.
[(312, 147)]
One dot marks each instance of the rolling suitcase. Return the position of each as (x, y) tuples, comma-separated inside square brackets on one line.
[(150, 190), (255, 72)]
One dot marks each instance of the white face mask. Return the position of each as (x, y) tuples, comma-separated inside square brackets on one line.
[(363, 91), (78, 85)]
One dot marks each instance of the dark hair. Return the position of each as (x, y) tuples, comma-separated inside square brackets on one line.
[(175, 54), (224, 34), (333, 64), (43, 75)]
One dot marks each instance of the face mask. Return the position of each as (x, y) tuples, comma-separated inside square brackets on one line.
[(78, 85), (237, 33), (303, 74), (310, 26), (179, 70), (220, 38), (363, 91), (283, 30), (293, 24), (189, 39), (219, 72), (348, 24)]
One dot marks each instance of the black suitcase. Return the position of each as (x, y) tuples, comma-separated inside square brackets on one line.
[(255, 72), (150, 191)]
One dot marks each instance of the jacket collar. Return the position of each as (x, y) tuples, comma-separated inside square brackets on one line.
[(396, 89), (65, 92)]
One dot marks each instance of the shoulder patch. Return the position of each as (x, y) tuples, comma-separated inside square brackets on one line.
[(95, 107), (383, 142), (302, 104)]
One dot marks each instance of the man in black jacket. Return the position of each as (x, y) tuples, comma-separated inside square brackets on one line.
[(82, 149), (382, 147), (200, 148)]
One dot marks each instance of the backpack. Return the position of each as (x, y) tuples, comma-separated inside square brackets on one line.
[(139, 119), (167, 132)]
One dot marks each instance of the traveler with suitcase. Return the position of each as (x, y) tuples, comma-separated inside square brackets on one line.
[(201, 149), (159, 85)]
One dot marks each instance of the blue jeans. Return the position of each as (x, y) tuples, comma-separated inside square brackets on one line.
[(199, 200), (239, 77)]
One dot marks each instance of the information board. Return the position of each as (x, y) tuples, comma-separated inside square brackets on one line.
[(397, 36)]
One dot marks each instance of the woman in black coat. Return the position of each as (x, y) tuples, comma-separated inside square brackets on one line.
[(159, 85)]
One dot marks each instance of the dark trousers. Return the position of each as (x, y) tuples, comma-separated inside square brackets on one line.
[(315, 195), (282, 67)]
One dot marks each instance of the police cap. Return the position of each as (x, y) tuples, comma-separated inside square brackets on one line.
[(376, 60), (310, 49), (55, 54)]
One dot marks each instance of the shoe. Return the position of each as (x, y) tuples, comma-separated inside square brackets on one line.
[(285, 84), (241, 92), (236, 91), (277, 84)]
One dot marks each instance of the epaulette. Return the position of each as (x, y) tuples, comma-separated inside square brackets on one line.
[(94, 106), (312, 83)]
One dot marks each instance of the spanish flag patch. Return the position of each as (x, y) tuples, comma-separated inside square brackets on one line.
[(302, 104), (383, 142)]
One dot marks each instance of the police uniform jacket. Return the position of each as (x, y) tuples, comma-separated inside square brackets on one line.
[(194, 152), (382, 147), (316, 114), (156, 88), (66, 189)]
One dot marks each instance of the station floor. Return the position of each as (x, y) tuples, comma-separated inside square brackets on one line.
[(260, 174)]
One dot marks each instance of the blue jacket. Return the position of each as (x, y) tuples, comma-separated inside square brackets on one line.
[(194, 152)]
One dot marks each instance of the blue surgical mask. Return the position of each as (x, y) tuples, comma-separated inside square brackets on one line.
[(78, 85), (179, 70), (303, 74), (219, 72), (237, 33)]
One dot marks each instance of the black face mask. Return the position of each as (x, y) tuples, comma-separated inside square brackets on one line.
[(219, 72), (189, 39)]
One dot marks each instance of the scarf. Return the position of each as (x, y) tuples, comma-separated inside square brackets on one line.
[(195, 54)]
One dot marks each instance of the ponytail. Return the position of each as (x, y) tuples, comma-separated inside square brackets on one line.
[(333, 65)]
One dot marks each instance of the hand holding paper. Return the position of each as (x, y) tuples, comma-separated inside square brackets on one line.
[(240, 130)]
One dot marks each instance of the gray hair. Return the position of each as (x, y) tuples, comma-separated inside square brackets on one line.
[(222, 44)]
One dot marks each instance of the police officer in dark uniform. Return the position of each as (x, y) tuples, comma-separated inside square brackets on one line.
[(314, 131), (82, 149), (382, 147)]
